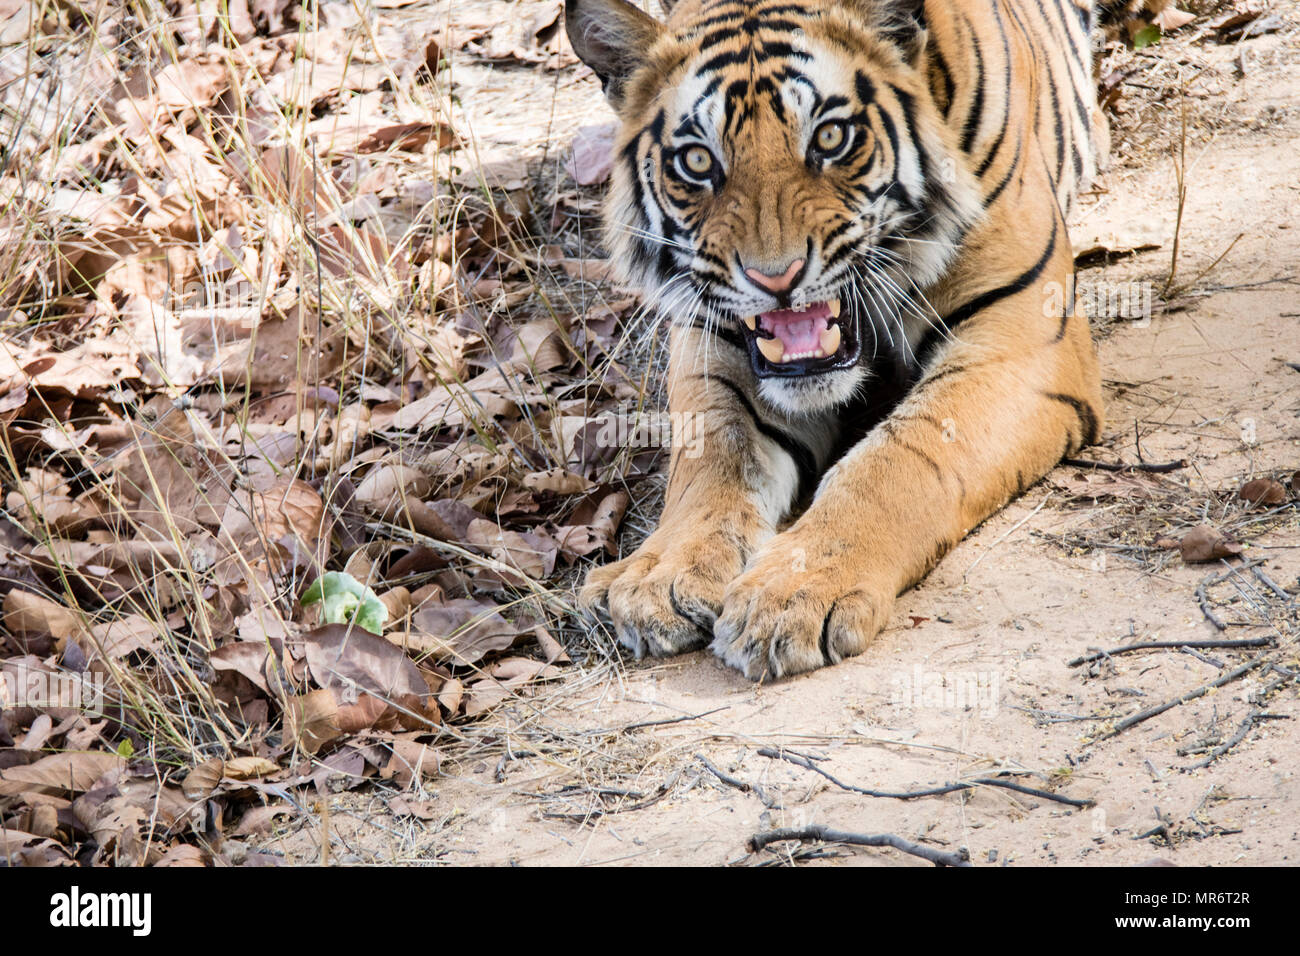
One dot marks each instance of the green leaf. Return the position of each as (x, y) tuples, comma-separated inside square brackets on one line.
[(126, 749), (343, 599), (1147, 36)]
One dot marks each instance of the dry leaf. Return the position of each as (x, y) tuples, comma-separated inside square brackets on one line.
[(386, 487), (30, 615), (248, 768), (468, 629), (203, 780), (183, 855), (284, 522), (1171, 18), (371, 678), (1263, 491), (126, 635), (252, 659), (404, 806), (65, 772), (312, 720), (408, 759), (408, 136), (532, 553), (1204, 543), (557, 481)]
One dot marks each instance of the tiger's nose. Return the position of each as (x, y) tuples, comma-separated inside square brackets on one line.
[(777, 283)]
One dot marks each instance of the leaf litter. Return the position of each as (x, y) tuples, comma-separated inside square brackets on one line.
[(302, 403)]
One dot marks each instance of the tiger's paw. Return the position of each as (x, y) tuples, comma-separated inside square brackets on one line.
[(785, 616), (664, 601)]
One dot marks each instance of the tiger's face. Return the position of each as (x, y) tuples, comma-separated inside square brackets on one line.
[(782, 180)]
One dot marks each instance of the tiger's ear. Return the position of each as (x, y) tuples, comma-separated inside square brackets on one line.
[(901, 22), (612, 37), (907, 27)]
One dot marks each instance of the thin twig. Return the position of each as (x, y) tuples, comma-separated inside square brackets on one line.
[(1201, 691), (1252, 718), (825, 834), (1203, 600), (1203, 658), (745, 787), (1153, 467), (655, 723), (1273, 586), (1155, 645), (596, 812), (802, 761)]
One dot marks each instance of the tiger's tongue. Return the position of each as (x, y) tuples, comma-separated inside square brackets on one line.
[(798, 331)]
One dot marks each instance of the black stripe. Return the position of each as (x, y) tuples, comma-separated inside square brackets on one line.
[(804, 461), (1057, 27), (1011, 171), (723, 17), (1006, 83), (993, 296), (865, 89), (944, 373), (724, 59), (1090, 430), (971, 127), (945, 74), (907, 107), (827, 661), (923, 455), (781, 49)]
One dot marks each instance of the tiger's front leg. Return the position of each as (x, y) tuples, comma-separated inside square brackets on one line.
[(729, 487), (997, 409)]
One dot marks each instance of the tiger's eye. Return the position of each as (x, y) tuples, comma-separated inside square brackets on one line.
[(829, 137), (698, 161)]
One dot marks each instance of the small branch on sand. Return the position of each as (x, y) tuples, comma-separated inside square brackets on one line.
[(595, 813), (1201, 691), (825, 834), (802, 761), (1203, 600), (1273, 586), (1251, 720), (1155, 645), (770, 802), (1153, 467)]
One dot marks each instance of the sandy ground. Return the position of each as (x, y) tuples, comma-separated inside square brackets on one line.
[(971, 676)]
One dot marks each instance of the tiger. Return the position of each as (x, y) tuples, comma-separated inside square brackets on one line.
[(851, 217)]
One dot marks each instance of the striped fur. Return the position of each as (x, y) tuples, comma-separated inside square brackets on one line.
[(830, 485)]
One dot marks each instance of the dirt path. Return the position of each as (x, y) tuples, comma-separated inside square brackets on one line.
[(971, 676)]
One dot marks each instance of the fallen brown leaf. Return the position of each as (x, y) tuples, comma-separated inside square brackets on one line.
[(1263, 491), (468, 629), (1204, 543), (61, 772), (357, 665), (313, 719), (248, 768), (203, 780), (30, 615)]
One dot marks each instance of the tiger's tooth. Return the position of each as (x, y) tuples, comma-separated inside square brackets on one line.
[(835, 308), (752, 322), (772, 350), (830, 340)]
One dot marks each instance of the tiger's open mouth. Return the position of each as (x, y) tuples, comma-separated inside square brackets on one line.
[(787, 343)]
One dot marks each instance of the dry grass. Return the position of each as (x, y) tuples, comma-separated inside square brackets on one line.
[(216, 299), (219, 293)]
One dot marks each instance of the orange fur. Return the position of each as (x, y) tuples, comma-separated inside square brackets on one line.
[(971, 127)]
